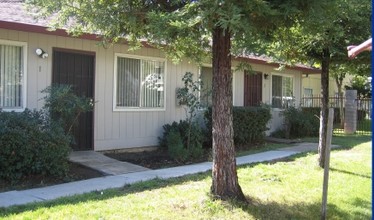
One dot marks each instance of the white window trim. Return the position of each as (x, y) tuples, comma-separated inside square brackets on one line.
[(24, 85), (271, 86), (138, 109)]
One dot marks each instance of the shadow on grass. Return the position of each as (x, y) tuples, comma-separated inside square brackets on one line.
[(350, 141), (273, 210), (365, 206), (350, 173), (105, 194)]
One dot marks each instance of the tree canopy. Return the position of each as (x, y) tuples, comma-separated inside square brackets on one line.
[(181, 28), (321, 38)]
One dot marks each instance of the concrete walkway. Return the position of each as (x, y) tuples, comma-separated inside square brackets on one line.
[(104, 164), (116, 181)]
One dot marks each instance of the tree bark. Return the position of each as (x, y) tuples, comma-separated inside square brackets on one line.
[(225, 183), (324, 106)]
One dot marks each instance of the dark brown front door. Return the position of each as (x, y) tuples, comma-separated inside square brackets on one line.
[(76, 68), (252, 89)]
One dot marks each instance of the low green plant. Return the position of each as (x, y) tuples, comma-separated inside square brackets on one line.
[(194, 150), (64, 105), (31, 144), (184, 139), (249, 124), (38, 142), (299, 123), (188, 97), (176, 149)]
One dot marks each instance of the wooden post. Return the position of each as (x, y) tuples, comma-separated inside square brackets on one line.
[(327, 163)]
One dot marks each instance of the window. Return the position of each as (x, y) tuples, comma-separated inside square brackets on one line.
[(139, 83), (308, 92), (12, 75), (282, 91), (308, 97), (206, 76)]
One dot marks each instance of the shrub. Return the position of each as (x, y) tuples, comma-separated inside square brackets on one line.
[(299, 123), (37, 142), (64, 105), (249, 124), (194, 149), (30, 144), (361, 114), (316, 111), (176, 149)]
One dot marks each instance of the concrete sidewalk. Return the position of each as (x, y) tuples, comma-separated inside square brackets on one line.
[(104, 164), (116, 181)]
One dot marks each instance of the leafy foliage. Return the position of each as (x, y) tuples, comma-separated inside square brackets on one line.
[(321, 39), (38, 142), (189, 95), (64, 106), (31, 144), (299, 123), (249, 124), (176, 149), (362, 85), (173, 132)]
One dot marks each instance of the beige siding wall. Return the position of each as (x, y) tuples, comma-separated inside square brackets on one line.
[(113, 129), (266, 83), (314, 82), (124, 129), (277, 119)]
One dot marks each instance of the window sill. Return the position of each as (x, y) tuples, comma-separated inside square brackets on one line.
[(12, 109), (116, 109)]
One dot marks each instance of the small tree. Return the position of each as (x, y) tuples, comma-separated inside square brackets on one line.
[(64, 106), (321, 38), (188, 96)]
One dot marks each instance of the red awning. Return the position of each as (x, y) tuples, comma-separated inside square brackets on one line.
[(354, 50)]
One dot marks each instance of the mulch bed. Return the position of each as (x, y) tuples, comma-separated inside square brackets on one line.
[(155, 159), (151, 159), (76, 172)]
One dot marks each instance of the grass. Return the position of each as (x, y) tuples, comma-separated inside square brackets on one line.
[(282, 190)]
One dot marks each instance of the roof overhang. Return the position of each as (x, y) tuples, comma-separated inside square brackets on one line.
[(63, 33), (43, 30), (255, 60)]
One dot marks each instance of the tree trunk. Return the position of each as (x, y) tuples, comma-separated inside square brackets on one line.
[(324, 106), (225, 183)]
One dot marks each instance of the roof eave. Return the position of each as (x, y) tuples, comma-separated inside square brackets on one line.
[(43, 30), (309, 70), (63, 33)]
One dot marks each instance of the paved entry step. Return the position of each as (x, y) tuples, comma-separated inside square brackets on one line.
[(103, 164)]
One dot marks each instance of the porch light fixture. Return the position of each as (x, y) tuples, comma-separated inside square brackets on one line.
[(41, 53), (266, 76)]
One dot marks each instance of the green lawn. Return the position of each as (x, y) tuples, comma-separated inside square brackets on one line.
[(282, 190)]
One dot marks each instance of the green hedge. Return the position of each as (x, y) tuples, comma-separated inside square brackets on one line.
[(300, 122), (30, 145), (249, 124), (361, 114), (175, 139)]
